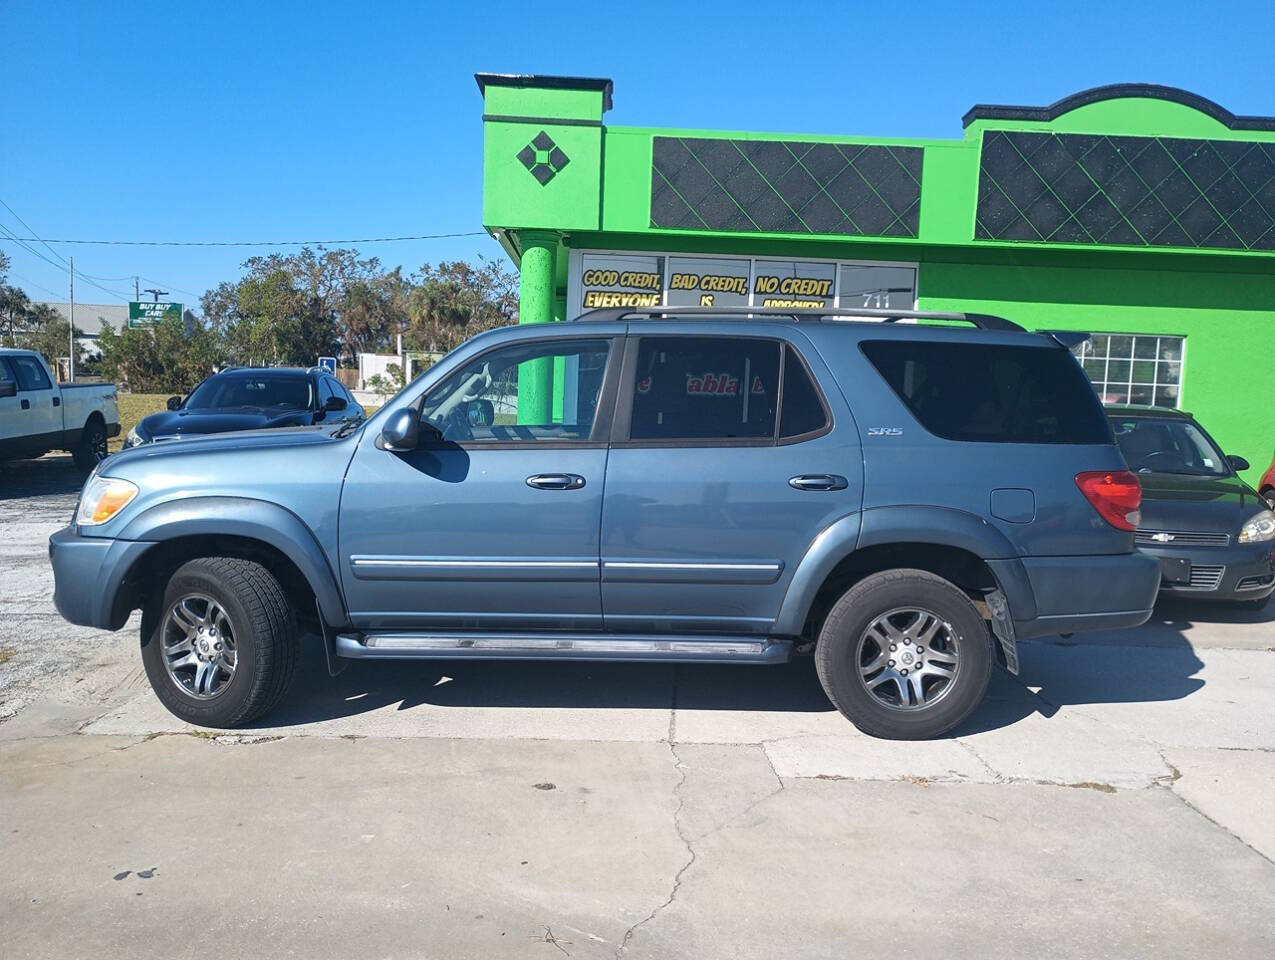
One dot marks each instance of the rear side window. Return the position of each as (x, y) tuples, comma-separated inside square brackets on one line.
[(987, 393), (31, 375), (705, 388)]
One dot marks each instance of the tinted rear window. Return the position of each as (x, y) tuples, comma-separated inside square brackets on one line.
[(992, 394)]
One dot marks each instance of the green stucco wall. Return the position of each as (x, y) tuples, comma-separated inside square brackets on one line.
[(1221, 300)]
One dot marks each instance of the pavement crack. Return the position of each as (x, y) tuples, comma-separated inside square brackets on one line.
[(686, 842), (991, 772), (672, 707), (1221, 826)]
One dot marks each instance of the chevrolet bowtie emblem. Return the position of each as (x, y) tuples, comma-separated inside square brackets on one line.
[(1162, 537)]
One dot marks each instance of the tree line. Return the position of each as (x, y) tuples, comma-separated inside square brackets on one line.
[(287, 310)]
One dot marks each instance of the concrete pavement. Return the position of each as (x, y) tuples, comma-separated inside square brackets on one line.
[(1112, 801)]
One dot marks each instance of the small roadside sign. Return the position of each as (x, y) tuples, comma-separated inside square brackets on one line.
[(328, 364), (143, 314)]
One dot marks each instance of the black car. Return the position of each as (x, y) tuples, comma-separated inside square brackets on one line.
[(1213, 533), (251, 398)]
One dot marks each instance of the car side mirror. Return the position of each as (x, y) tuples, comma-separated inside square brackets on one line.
[(335, 403), (8, 389), (1238, 464), (174, 403), (401, 431)]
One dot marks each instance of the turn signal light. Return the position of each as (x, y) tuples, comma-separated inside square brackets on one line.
[(1115, 494), (103, 498)]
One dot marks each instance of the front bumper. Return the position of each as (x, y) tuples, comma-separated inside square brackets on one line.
[(89, 575), (1244, 571)]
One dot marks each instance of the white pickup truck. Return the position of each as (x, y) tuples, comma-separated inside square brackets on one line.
[(38, 414)]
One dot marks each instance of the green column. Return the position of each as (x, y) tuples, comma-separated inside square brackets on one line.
[(535, 305)]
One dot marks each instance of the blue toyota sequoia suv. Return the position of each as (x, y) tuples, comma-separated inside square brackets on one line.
[(906, 500)]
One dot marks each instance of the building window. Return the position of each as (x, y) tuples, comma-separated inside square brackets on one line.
[(1145, 370)]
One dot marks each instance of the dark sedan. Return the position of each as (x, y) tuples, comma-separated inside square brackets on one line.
[(1214, 535), (251, 398)]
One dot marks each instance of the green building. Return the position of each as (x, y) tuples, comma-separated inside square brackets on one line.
[(1143, 214)]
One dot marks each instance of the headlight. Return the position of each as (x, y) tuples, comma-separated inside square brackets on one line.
[(1259, 529), (133, 439), (103, 498)]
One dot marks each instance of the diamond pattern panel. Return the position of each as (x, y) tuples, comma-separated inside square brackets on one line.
[(1135, 191), (787, 186)]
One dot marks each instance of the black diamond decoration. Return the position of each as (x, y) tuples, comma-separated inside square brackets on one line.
[(1136, 191), (782, 186), (554, 160)]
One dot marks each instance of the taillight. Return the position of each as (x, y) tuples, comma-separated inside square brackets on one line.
[(1115, 494)]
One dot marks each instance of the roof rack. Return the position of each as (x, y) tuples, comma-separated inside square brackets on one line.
[(980, 320)]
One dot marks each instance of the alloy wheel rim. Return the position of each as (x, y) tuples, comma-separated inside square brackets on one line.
[(199, 648), (99, 446), (908, 659)]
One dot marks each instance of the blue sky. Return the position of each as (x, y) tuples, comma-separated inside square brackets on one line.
[(273, 120)]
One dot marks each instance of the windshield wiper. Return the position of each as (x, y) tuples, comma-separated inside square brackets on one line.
[(346, 429)]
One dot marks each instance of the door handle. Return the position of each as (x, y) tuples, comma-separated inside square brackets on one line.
[(26, 404), (57, 401), (556, 481), (818, 481)]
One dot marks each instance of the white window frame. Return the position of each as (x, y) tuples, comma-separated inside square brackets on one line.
[(575, 267), (1100, 388)]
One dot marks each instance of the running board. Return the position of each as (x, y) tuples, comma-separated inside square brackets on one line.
[(570, 646)]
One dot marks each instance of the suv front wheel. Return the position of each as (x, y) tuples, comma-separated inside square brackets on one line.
[(220, 646), (904, 655)]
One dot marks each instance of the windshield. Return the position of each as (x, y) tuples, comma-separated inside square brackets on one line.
[(280, 393), (1156, 445)]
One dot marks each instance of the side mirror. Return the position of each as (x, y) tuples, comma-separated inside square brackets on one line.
[(1238, 464), (8, 389), (174, 403), (335, 403), (399, 435)]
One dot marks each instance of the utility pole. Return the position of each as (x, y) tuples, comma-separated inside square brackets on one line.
[(71, 279), (157, 293), (137, 294)]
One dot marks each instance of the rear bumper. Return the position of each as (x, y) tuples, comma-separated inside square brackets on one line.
[(1237, 572), (1075, 594), (88, 576)]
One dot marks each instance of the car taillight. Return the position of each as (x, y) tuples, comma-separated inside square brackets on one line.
[(1115, 494)]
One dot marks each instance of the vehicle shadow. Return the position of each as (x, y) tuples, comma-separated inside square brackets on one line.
[(1149, 664), (47, 476)]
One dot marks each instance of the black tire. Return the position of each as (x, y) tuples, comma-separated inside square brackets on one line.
[(91, 450), (265, 641), (838, 649)]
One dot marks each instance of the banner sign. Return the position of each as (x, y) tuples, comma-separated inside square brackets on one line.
[(642, 280)]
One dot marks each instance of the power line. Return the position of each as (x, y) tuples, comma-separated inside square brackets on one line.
[(32, 232), (254, 243), (32, 283), (161, 283), (7, 234)]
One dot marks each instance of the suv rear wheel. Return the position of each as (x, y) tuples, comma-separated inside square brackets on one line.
[(904, 655), (221, 646)]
